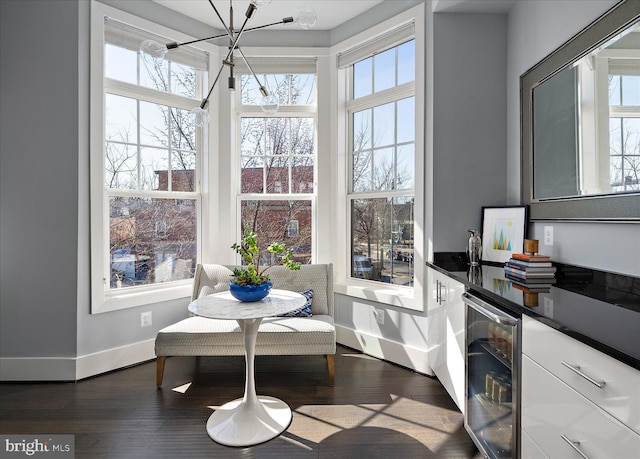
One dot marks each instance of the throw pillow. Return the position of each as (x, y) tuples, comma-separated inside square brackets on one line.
[(305, 310)]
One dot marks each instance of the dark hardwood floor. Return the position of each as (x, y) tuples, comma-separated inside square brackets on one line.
[(375, 409)]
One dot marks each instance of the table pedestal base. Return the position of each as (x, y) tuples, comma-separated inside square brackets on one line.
[(249, 422)]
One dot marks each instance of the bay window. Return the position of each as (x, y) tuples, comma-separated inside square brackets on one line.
[(382, 138), (277, 157), (145, 168)]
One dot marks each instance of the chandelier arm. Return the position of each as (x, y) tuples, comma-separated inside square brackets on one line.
[(174, 44), (224, 24), (263, 90)]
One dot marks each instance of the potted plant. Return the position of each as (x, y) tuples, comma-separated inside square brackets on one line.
[(250, 282)]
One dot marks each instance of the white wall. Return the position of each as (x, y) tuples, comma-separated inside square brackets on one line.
[(536, 28)]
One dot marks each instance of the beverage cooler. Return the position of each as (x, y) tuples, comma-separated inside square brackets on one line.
[(492, 389)]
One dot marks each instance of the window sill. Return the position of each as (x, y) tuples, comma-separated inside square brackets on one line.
[(116, 300), (400, 297)]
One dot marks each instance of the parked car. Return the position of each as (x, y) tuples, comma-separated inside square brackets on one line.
[(362, 267)]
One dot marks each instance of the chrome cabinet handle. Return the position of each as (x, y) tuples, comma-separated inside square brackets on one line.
[(576, 370), (575, 445), (442, 298), (438, 291)]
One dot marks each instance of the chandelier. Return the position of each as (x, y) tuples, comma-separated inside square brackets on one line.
[(153, 52)]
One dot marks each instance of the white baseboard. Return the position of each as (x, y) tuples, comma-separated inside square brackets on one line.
[(112, 359), (382, 348), (74, 368)]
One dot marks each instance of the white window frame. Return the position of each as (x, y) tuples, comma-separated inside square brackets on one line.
[(406, 297), (104, 300), (281, 57)]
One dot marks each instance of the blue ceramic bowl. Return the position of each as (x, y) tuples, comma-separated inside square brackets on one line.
[(250, 293)]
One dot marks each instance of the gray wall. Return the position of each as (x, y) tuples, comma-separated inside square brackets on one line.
[(38, 178), (469, 123), (535, 30)]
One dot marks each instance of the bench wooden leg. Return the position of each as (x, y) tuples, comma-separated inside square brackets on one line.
[(160, 361), (330, 365)]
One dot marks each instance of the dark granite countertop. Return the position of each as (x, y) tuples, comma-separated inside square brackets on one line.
[(598, 308)]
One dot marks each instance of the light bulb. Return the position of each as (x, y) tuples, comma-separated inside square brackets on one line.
[(306, 18), (201, 116), (152, 52), (270, 104)]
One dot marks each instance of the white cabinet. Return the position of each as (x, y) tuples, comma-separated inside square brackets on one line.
[(561, 414), (445, 334)]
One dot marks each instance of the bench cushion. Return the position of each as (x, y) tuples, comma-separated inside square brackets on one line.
[(276, 336)]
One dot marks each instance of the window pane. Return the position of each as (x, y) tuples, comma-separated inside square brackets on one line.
[(301, 136), (155, 76), (120, 119), (362, 170), (250, 90), (151, 240), (615, 136), (383, 169), (303, 91), (362, 130), (154, 169), (631, 173), (291, 89), (384, 76), (631, 90), (382, 240), (277, 136), (277, 169), (384, 125), (272, 146), (271, 221), (362, 78), (252, 174), (183, 171), (407, 62), (252, 136), (183, 129), (183, 80), (405, 164), (406, 120), (614, 89), (120, 64), (121, 166), (153, 124), (302, 174)]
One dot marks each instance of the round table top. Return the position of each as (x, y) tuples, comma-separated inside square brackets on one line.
[(224, 306)]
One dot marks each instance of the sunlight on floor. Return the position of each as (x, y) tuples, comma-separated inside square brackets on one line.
[(182, 389), (404, 415)]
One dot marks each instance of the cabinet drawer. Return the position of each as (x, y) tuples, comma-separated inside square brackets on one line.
[(551, 410), (620, 395), (529, 449)]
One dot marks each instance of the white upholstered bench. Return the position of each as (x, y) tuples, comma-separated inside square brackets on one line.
[(199, 336)]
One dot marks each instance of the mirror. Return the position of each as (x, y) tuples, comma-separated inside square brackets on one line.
[(580, 112)]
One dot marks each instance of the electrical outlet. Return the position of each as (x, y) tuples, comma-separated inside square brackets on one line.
[(548, 235), (548, 307), (145, 319), (379, 315)]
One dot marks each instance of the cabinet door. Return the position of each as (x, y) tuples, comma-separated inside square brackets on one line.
[(454, 323), (435, 330), (445, 335)]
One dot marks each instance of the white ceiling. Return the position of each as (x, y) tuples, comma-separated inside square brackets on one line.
[(331, 13)]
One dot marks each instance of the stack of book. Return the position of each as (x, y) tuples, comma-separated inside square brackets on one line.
[(530, 273)]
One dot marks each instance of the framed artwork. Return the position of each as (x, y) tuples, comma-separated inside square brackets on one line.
[(504, 230)]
